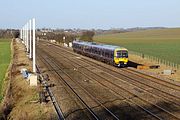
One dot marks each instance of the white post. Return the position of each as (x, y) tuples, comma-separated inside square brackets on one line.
[(27, 38), (30, 52), (34, 59), (25, 35), (20, 33)]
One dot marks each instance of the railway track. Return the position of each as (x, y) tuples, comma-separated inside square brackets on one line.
[(154, 79), (164, 83), (76, 101), (172, 86), (132, 84), (44, 82), (54, 66), (131, 102)]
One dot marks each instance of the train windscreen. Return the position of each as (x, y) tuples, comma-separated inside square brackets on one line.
[(122, 54)]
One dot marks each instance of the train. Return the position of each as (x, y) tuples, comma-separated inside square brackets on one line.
[(111, 54)]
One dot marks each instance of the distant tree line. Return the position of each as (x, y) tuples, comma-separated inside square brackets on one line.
[(69, 37), (5, 34), (87, 36), (9, 33), (57, 36)]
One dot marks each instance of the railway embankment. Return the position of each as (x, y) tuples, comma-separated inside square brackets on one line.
[(21, 101)]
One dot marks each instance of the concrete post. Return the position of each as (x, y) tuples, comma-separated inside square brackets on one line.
[(34, 52), (24, 35), (30, 52), (27, 30)]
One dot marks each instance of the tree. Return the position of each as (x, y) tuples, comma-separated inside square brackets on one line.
[(87, 36), (16, 34)]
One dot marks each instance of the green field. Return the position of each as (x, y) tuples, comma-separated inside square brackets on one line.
[(5, 57), (161, 43)]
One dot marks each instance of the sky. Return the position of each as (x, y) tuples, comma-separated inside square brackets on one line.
[(88, 14)]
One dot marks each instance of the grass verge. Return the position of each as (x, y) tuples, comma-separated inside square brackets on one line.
[(5, 57)]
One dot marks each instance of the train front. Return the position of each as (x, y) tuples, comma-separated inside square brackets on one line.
[(121, 57)]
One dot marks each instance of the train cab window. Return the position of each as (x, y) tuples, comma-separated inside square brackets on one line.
[(125, 54), (122, 54)]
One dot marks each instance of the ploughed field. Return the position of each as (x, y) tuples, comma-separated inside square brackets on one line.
[(88, 89), (5, 57), (161, 43)]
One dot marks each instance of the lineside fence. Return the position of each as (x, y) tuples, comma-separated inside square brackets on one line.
[(27, 35), (167, 63)]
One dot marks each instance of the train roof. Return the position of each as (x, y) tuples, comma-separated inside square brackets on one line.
[(103, 46)]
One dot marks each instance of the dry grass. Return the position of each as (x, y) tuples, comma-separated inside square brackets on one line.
[(147, 62), (23, 96)]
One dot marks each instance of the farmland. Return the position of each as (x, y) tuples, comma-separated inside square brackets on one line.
[(5, 57), (161, 43)]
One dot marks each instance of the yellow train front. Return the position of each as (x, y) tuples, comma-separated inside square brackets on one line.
[(121, 57), (115, 55)]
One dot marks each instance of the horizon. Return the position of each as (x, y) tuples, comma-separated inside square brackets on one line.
[(97, 28)]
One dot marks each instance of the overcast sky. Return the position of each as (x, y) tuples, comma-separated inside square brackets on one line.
[(89, 14)]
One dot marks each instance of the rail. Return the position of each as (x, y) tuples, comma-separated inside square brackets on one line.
[(128, 100), (160, 108), (91, 96), (53, 99)]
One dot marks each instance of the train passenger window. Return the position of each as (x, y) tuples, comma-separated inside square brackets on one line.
[(103, 53), (90, 49), (106, 54), (98, 51), (93, 51), (112, 55)]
